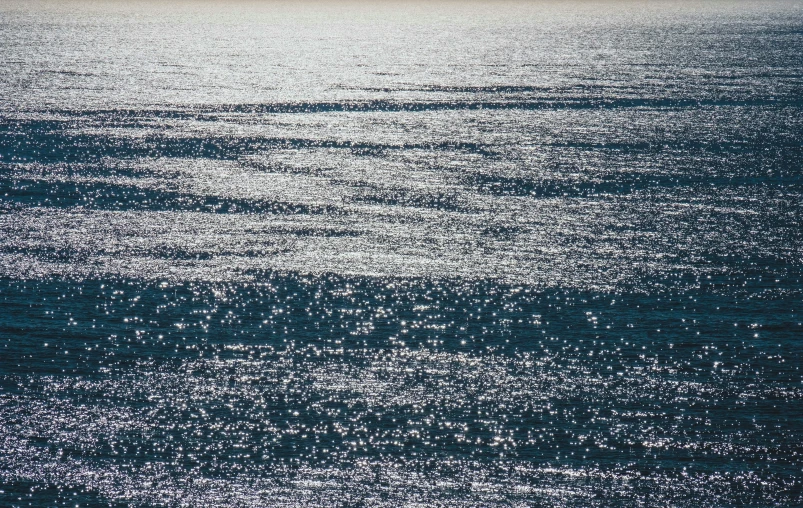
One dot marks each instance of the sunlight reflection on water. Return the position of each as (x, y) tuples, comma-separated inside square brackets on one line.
[(411, 254)]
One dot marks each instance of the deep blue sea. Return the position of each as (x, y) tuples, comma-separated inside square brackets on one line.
[(422, 254)]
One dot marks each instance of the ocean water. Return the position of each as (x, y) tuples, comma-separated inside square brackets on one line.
[(401, 254)]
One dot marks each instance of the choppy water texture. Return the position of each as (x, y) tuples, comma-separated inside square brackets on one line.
[(458, 254)]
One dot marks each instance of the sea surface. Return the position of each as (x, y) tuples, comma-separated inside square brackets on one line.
[(423, 254)]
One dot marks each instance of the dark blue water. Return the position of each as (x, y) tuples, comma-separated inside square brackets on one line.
[(457, 254)]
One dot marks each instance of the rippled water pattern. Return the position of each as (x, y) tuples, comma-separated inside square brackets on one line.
[(421, 254)]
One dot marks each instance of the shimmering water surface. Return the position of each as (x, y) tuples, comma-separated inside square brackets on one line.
[(422, 254)]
